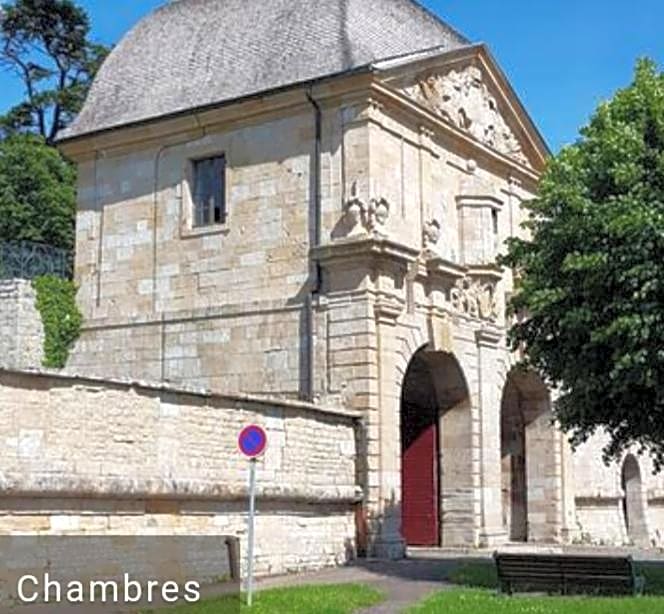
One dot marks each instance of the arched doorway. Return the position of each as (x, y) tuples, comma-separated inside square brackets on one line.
[(529, 444), (435, 452), (633, 503)]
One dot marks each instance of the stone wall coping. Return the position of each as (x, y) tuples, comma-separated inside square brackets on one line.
[(261, 400), (71, 486)]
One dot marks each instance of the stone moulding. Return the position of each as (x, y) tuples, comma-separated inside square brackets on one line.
[(62, 486), (373, 247), (239, 399), (471, 290), (438, 267)]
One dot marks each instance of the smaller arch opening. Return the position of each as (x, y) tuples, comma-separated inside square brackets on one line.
[(527, 452), (634, 507)]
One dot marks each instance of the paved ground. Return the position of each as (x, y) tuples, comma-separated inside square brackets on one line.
[(403, 582)]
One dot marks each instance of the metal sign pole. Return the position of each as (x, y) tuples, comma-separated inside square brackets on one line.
[(250, 536)]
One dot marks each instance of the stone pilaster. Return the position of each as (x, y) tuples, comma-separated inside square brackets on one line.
[(389, 542), (492, 531)]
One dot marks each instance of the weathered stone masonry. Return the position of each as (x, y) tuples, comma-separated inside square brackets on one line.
[(21, 330), (367, 204), (85, 456)]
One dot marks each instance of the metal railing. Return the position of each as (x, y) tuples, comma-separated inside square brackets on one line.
[(27, 260)]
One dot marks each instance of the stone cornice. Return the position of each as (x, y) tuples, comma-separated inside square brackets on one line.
[(437, 266), (95, 487), (489, 337), (481, 200), (492, 273), (374, 247), (218, 117)]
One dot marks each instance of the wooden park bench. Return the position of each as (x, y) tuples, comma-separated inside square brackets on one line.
[(567, 574)]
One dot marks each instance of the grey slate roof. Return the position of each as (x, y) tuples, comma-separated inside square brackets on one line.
[(192, 53)]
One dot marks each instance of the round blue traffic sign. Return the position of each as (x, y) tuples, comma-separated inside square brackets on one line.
[(252, 441)]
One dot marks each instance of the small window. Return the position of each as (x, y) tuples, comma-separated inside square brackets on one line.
[(209, 191)]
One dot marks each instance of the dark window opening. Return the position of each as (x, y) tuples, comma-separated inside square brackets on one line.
[(209, 191)]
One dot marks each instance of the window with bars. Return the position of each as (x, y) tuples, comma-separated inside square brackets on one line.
[(209, 191)]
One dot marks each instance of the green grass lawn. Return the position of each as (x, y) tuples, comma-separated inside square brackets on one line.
[(483, 575), (479, 596), (333, 599), (476, 601)]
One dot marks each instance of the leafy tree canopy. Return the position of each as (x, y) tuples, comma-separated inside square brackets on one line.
[(591, 290), (37, 193), (46, 44)]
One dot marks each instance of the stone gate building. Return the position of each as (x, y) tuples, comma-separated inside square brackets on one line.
[(304, 202)]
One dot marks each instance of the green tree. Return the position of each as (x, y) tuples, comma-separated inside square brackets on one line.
[(591, 289), (46, 44), (37, 193)]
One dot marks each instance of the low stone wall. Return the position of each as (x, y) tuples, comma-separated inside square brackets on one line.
[(601, 522), (82, 456), (21, 330)]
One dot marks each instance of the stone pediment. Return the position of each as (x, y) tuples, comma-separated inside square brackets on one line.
[(464, 97)]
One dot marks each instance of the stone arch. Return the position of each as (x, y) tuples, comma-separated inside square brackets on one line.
[(436, 441), (410, 344), (530, 460), (634, 502)]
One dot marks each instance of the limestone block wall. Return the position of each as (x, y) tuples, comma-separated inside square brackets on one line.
[(602, 500), (164, 301), (21, 329), (248, 348), (85, 456)]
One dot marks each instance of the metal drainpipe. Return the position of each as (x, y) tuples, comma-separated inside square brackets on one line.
[(315, 269)]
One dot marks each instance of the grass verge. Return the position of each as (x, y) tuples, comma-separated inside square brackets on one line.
[(323, 599), (487, 602)]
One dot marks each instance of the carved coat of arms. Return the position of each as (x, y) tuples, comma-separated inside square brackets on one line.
[(463, 99)]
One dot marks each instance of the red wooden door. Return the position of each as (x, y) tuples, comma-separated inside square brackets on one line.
[(419, 480)]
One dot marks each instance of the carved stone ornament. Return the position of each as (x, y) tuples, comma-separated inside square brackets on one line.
[(431, 233), (372, 215), (475, 299), (463, 99)]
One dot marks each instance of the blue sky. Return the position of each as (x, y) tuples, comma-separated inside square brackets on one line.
[(562, 56)]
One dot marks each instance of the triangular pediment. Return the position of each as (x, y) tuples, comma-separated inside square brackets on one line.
[(467, 90)]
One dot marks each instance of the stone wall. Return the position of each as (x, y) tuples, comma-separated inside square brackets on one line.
[(603, 500), (85, 456), (223, 306), (21, 330)]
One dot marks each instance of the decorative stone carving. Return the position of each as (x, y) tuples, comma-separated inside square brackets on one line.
[(463, 99), (372, 215), (475, 299), (431, 234)]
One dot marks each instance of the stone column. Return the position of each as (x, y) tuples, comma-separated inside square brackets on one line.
[(492, 531)]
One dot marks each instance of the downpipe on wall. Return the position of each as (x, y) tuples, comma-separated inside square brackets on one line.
[(315, 275)]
